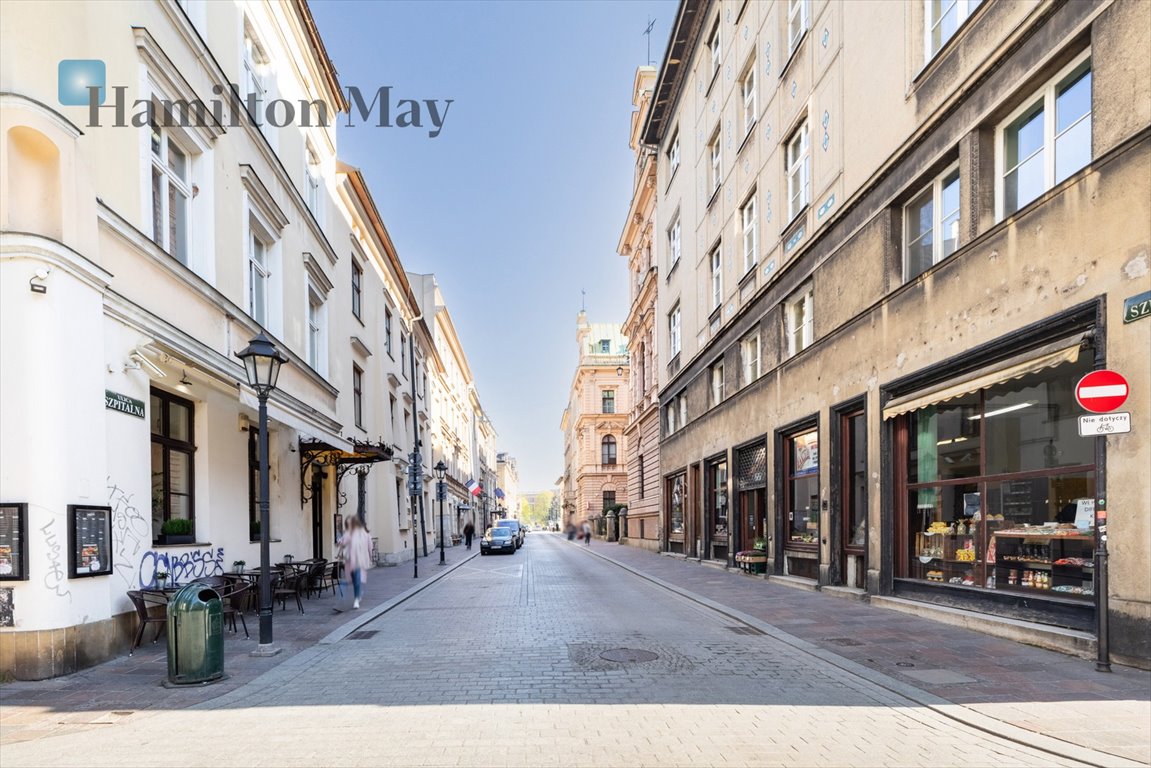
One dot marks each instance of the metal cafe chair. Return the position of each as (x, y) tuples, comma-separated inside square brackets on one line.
[(151, 608)]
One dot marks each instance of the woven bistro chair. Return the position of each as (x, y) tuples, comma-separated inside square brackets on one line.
[(236, 602), (150, 609), (289, 586)]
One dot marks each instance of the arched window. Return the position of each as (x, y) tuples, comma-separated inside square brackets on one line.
[(607, 450)]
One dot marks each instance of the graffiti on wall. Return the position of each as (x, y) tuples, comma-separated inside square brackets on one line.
[(57, 576), (131, 532), (7, 619), (181, 568)]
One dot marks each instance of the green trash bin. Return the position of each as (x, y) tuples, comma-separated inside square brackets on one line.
[(195, 635)]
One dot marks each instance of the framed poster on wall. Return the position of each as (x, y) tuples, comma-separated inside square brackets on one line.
[(13, 542), (89, 541)]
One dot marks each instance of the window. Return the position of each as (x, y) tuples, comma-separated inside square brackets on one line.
[(673, 156), (716, 277), (358, 295), (750, 233), (173, 458), (670, 414), (608, 500), (675, 244), (259, 274), (392, 409), (749, 354), (798, 172), (714, 156), (317, 337), (713, 48), (796, 23), (171, 194), (1046, 140), (717, 496), (403, 355), (676, 494), (940, 20), (607, 451), (313, 180), (802, 488), (640, 475), (608, 401), (681, 401), (673, 339), (747, 92), (717, 384), (388, 332), (799, 318), (358, 396), (604, 346), (931, 225), (257, 75)]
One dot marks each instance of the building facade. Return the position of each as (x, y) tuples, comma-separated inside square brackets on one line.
[(637, 245), (892, 245), (135, 262), (507, 490), (595, 476)]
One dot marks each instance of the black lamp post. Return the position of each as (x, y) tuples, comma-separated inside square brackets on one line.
[(441, 471), (262, 361)]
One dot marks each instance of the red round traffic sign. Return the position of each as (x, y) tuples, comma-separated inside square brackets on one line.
[(1101, 391)]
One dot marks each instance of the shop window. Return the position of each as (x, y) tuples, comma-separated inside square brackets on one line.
[(798, 172), (675, 508), (717, 496), (855, 485), (173, 458), (1000, 488), (1045, 140), (801, 490), (931, 225), (941, 18)]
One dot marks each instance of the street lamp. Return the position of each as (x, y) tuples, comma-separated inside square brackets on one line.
[(262, 361), (441, 470)]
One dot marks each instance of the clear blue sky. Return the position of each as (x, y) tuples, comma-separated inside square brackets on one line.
[(520, 201)]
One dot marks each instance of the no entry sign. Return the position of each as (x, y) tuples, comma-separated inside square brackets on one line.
[(1101, 391)]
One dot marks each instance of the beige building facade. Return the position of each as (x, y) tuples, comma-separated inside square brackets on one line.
[(892, 245), (640, 328), (595, 476)]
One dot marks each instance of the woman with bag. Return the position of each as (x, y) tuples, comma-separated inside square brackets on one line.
[(356, 548)]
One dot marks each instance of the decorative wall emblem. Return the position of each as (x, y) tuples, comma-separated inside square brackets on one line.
[(746, 31), (767, 58), (794, 88), (826, 136), (768, 268), (826, 37), (794, 240), (767, 207), (827, 206), (767, 132)]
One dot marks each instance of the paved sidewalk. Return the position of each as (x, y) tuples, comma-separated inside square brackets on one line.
[(989, 682), (132, 686)]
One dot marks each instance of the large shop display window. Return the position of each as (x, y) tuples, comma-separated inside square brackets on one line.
[(803, 489), (1000, 489), (676, 495)]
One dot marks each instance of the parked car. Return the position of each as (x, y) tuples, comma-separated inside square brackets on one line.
[(516, 529), (498, 539)]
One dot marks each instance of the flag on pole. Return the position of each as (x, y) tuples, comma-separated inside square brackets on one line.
[(473, 487), (499, 493)]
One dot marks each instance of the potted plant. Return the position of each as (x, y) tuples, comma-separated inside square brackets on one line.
[(176, 531), (254, 530), (238, 566), (760, 544), (161, 578)]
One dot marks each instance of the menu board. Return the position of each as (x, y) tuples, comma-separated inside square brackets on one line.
[(89, 541), (13, 542)]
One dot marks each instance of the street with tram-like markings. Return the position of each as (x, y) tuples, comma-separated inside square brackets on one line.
[(550, 656)]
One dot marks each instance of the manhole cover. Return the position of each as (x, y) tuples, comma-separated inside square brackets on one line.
[(628, 655), (844, 641), (363, 634)]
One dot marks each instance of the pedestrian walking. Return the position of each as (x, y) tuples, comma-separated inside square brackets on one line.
[(570, 530), (356, 549), (586, 533), (469, 532)]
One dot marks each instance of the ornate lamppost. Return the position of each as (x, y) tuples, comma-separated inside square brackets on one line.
[(441, 471), (262, 361)]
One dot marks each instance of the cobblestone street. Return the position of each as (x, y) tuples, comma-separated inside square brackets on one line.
[(551, 657)]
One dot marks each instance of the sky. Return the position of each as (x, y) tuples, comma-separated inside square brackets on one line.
[(518, 204)]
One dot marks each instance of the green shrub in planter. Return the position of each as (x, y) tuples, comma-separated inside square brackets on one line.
[(177, 531)]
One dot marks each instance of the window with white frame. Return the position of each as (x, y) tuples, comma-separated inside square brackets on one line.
[(940, 20), (358, 291), (716, 259), (388, 332), (931, 225), (673, 156), (750, 357), (257, 73), (675, 243), (1046, 140), (317, 325), (714, 154), (748, 98), (682, 401), (313, 180), (798, 172), (717, 383), (796, 23), (750, 229), (171, 193), (673, 339), (670, 412), (358, 396), (799, 319), (713, 48), (259, 273)]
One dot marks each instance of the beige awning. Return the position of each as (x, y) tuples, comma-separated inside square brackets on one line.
[(1049, 356)]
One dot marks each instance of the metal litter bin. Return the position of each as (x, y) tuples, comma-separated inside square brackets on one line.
[(195, 635)]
